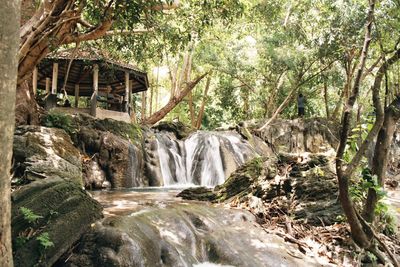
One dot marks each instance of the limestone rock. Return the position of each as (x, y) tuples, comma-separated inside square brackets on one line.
[(94, 176), (41, 152), (309, 182), (301, 135), (66, 213), (180, 130)]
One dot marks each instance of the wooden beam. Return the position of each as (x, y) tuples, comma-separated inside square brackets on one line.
[(54, 79), (34, 80), (93, 102), (48, 81), (76, 95), (126, 97)]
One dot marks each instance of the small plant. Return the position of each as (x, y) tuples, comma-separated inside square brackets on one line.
[(59, 120), (29, 215), (45, 241)]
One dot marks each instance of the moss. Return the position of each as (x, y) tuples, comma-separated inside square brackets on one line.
[(73, 124), (180, 130), (66, 210), (237, 185), (129, 131), (55, 119)]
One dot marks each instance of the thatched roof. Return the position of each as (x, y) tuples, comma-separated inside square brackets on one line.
[(111, 72)]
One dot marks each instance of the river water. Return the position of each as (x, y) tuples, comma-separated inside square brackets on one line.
[(159, 229)]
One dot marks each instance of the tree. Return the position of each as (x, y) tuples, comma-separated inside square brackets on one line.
[(56, 23), (9, 41)]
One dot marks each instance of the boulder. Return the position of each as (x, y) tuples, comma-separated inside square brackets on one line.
[(313, 135), (94, 176), (116, 145), (180, 130), (121, 161), (309, 182), (41, 152), (63, 213)]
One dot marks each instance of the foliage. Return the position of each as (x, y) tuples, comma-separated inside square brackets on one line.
[(359, 191), (29, 215), (59, 120), (44, 241)]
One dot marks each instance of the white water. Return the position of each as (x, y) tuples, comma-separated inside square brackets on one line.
[(198, 160)]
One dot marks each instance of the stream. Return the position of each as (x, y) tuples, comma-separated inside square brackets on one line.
[(152, 227)]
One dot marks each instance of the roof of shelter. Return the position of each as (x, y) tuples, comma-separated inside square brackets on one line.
[(111, 72)]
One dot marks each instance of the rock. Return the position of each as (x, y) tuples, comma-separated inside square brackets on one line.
[(121, 160), (116, 144), (66, 213), (315, 135), (94, 176), (180, 130), (41, 152), (182, 235), (311, 183)]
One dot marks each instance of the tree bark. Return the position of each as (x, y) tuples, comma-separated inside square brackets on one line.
[(9, 41), (326, 100), (175, 100), (203, 103), (384, 139), (343, 173)]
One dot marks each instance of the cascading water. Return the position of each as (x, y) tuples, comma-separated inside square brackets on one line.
[(202, 158)]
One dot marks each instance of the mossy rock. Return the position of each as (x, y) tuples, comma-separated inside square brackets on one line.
[(41, 152), (73, 124), (180, 130), (237, 185), (66, 212)]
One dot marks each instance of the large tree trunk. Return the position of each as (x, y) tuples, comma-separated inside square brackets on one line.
[(173, 102), (380, 159), (384, 139), (9, 41), (344, 173)]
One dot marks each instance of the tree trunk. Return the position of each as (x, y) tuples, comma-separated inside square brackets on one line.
[(326, 100), (159, 115), (144, 104), (191, 110), (384, 139), (379, 167), (280, 108), (203, 103), (9, 41), (343, 173)]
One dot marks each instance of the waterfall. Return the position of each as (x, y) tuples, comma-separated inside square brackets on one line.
[(201, 159)]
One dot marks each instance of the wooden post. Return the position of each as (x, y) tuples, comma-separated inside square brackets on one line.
[(107, 95), (48, 86), (54, 79), (126, 98), (93, 103), (76, 95), (144, 105), (34, 80)]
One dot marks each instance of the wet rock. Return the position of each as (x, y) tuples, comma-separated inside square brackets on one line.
[(310, 182), (94, 176), (121, 160), (181, 235), (117, 146), (66, 212), (41, 152)]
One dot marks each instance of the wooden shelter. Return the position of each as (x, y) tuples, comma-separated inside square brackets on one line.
[(88, 73)]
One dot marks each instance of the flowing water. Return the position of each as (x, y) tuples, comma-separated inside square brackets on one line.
[(205, 158), (151, 227)]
